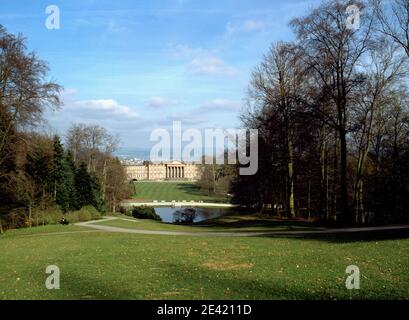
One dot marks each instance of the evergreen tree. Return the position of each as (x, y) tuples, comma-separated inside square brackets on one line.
[(87, 188), (97, 200), (70, 170), (83, 186), (37, 166), (58, 166), (61, 177)]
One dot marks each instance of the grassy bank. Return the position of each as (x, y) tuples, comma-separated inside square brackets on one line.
[(169, 190), (231, 223), (99, 265)]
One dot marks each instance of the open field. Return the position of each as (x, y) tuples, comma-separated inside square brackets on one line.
[(168, 190), (103, 265)]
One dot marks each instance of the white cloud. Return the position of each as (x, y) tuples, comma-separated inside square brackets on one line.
[(182, 51), (209, 65), (109, 113), (203, 62), (247, 26), (94, 109), (160, 102), (203, 113), (103, 108)]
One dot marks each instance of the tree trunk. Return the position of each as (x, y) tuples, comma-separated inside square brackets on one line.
[(29, 215), (395, 158), (361, 202), (113, 204), (335, 173), (345, 210), (104, 179), (323, 195), (214, 179), (291, 206)]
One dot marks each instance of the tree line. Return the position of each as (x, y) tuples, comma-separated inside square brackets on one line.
[(332, 112), (36, 171)]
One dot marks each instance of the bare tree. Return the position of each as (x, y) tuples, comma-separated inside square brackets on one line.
[(393, 20), (385, 72), (93, 145), (274, 87), (117, 185), (333, 51), (25, 190), (88, 142), (24, 89)]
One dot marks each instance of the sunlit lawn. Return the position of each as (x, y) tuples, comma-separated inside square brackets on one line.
[(168, 191), (99, 265)]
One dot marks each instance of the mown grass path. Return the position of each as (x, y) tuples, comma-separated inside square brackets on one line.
[(95, 225)]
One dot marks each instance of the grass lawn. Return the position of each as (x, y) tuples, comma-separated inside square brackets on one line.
[(231, 223), (102, 265), (168, 191)]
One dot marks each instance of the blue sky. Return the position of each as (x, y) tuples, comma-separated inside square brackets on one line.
[(133, 66)]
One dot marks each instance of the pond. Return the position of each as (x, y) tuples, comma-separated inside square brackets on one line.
[(169, 214)]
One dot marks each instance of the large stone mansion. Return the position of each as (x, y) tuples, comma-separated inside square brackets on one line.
[(173, 170)]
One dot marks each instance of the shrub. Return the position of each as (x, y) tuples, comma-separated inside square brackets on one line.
[(51, 215), (145, 212), (90, 213), (72, 217), (125, 211), (17, 218), (86, 213)]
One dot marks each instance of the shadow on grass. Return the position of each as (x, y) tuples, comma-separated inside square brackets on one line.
[(236, 222), (82, 287), (231, 220), (347, 237), (194, 190), (241, 284), (213, 285)]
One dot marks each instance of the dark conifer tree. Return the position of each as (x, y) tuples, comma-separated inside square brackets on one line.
[(70, 170), (87, 187), (62, 177)]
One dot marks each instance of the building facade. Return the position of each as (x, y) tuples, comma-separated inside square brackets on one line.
[(174, 170)]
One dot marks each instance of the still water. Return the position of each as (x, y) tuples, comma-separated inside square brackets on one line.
[(168, 214)]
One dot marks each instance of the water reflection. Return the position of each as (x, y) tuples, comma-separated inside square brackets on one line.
[(172, 215)]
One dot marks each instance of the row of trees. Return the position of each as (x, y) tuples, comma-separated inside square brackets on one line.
[(91, 147), (215, 178), (36, 171), (333, 117), (47, 175)]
